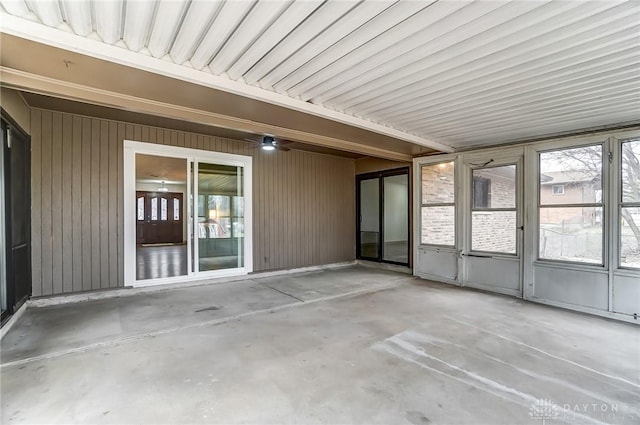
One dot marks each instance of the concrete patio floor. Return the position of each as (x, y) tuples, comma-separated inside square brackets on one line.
[(349, 345)]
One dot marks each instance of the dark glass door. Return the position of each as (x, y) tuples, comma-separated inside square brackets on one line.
[(369, 219), (383, 211), (16, 173)]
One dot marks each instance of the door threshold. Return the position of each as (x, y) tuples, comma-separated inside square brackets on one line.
[(386, 266), (146, 245)]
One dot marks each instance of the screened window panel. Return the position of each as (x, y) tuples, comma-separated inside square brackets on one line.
[(631, 171), (571, 176), (571, 234)]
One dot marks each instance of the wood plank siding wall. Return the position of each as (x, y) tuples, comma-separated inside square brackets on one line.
[(304, 203)]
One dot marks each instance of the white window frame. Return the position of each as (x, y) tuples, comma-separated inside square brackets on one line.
[(575, 143), (441, 160), (621, 204), (516, 208)]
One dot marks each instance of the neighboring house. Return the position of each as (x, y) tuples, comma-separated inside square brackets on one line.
[(570, 187)]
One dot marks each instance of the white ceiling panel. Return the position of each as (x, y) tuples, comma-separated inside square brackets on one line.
[(461, 73), (198, 18), (137, 23), (107, 16)]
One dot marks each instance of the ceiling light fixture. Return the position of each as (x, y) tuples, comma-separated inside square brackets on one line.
[(163, 188), (268, 143)]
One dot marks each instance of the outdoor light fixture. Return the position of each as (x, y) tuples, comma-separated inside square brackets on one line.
[(268, 143), (163, 188)]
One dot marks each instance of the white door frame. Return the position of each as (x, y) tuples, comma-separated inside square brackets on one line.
[(131, 148), (483, 160)]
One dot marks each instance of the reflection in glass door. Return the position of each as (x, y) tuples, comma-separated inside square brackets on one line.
[(396, 218), (219, 226), (383, 216), (369, 232)]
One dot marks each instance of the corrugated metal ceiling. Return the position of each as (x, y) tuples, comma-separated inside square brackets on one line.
[(458, 72)]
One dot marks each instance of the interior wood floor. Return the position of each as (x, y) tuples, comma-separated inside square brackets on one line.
[(160, 261), (156, 262)]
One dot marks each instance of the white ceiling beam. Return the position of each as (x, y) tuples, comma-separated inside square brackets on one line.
[(137, 23), (483, 43), (520, 73), (108, 18), (565, 73), (272, 62), (294, 84), (198, 18), (94, 48), (229, 17), (48, 11), (259, 19), (78, 16), (169, 14), (280, 28)]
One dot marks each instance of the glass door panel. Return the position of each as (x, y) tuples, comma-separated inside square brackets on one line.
[(369, 218), (492, 260), (396, 218), (161, 231), (220, 217)]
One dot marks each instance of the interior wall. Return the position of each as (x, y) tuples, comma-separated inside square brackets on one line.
[(303, 203), (13, 103)]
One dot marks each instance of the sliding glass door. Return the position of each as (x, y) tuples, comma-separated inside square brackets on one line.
[(395, 243), (369, 219), (219, 203), (187, 214), (383, 216)]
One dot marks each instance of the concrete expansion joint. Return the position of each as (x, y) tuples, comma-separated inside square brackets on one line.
[(131, 338)]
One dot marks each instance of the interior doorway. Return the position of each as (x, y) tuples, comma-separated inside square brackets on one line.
[(383, 211), (161, 187), (187, 214)]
